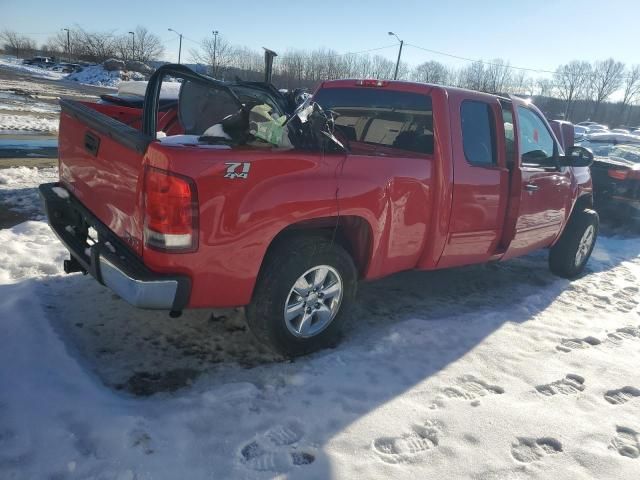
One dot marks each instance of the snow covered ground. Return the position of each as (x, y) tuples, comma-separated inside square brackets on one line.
[(28, 123), (24, 113), (498, 371), (17, 65), (19, 188)]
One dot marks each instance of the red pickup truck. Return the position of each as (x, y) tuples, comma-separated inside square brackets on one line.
[(410, 176)]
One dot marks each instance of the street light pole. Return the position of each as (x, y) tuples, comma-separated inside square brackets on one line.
[(395, 75), (68, 45), (133, 45), (180, 47), (215, 44)]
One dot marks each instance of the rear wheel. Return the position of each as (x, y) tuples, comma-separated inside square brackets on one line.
[(570, 254), (303, 293)]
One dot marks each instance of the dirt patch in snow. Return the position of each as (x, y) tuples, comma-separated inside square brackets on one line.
[(144, 384), (9, 218)]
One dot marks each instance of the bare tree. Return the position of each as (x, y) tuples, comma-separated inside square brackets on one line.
[(147, 45), (474, 77), (70, 49), (97, 46), (431, 72), (217, 53), (20, 45), (545, 87), (123, 46), (631, 91), (607, 78), (571, 81), (382, 67), (497, 76)]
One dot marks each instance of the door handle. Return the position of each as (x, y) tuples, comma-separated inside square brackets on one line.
[(91, 143), (530, 187)]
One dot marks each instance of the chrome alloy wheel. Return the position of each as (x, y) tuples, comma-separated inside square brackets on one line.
[(313, 301), (586, 242)]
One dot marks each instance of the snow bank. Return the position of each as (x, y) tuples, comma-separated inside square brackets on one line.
[(28, 252), (97, 75), (17, 66)]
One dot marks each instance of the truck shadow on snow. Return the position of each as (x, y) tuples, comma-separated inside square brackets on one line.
[(146, 352)]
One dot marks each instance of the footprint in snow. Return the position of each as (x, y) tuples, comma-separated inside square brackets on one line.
[(569, 385), (527, 450), (624, 333), (626, 299), (276, 450), (569, 344), (408, 446), (139, 438), (626, 442), (471, 388), (621, 395)]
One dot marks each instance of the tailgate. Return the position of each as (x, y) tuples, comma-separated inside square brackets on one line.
[(101, 163)]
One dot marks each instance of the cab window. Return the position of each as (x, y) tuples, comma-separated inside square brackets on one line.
[(536, 143), (478, 134), (402, 121)]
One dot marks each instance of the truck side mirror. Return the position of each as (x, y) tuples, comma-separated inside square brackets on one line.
[(577, 157)]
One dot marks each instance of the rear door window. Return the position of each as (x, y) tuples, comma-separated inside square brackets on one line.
[(478, 133), (378, 117)]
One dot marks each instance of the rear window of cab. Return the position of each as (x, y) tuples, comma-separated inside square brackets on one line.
[(386, 118)]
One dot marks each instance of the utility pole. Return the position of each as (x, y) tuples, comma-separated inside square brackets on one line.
[(215, 44), (68, 45), (180, 47), (395, 75), (133, 45)]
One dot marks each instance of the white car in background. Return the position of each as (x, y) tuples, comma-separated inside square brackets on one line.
[(596, 127), (579, 131)]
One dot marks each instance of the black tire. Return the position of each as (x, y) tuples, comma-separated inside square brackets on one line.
[(284, 265), (563, 255)]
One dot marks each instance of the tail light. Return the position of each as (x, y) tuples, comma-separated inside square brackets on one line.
[(619, 174), (170, 211), (371, 83)]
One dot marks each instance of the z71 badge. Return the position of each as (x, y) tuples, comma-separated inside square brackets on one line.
[(237, 170)]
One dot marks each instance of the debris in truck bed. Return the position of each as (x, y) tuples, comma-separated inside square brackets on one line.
[(268, 126)]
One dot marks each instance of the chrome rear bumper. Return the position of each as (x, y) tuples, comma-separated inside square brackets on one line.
[(154, 294), (109, 260)]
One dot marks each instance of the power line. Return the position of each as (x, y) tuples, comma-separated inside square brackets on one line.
[(450, 55), (357, 53), (506, 65)]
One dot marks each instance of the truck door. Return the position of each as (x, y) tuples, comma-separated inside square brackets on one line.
[(481, 180), (543, 189)]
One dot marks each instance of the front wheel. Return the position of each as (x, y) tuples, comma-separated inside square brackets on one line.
[(570, 254), (303, 293)]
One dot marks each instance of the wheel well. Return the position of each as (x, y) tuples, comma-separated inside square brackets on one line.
[(353, 233), (583, 202)]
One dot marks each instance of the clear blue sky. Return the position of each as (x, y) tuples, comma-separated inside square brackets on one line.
[(539, 34)]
